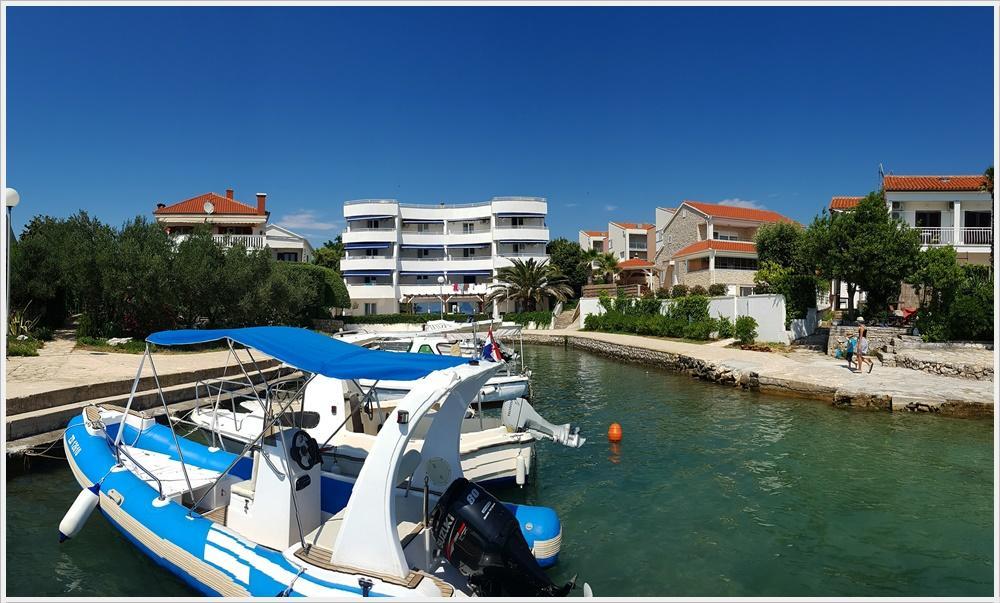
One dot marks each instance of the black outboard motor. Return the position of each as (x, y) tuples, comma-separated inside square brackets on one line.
[(478, 535)]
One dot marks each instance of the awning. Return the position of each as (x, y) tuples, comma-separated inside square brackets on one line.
[(317, 353), (469, 245), (372, 217), (419, 273), (472, 272), (367, 245), (422, 246), (520, 215), (528, 241), (412, 221), (367, 273)]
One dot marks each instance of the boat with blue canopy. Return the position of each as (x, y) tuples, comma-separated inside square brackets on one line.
[(269, 521)]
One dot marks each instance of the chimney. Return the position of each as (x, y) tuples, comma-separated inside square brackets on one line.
[(229, 193), (160, 205), (261, 202)]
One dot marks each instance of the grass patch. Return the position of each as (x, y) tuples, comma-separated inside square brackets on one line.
[(23, 347)]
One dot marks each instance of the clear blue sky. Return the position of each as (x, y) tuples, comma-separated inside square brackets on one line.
[(607, 112)]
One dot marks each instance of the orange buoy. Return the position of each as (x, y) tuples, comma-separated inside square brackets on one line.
[(615, 433)]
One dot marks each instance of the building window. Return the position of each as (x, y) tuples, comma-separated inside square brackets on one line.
[(372, 224), (288, 256), (235, 230), (371, 280), (422, 278), (517, 222), (746, 290), (423, 253), (978, 219), (697, 264), (731, 263), (468, 227), (928, 219), (371, 253), (725, 236), (468, 252), (598, 246), (371, 308), (421, 227)]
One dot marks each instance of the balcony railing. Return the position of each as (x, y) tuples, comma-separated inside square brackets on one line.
[(946, 236), (366, 229), (251, 242)]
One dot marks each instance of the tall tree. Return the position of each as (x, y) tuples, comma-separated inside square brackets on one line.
[(330, 254), (607, 267), (779, 242), (528, 283), (866, 248), (568, 257)]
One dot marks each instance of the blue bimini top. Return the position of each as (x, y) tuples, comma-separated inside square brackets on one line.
[(318, 353)]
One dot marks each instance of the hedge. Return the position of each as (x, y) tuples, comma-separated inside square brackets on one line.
[(541, 319)]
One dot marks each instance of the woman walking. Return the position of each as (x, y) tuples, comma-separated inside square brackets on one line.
[(862, 347)]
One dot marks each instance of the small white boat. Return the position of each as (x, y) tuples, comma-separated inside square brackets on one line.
[(271, 521), (494, 451)]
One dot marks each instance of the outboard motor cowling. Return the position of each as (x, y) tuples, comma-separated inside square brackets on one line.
[(481, 538)]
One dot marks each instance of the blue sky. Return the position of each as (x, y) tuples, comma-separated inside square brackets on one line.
[(607, 112)]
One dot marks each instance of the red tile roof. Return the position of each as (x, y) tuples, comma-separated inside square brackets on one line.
[(635, 263), (739, 246), (631, 225), (844, 202), (196, 205), (933, 183), (596, 233), (738, 213)]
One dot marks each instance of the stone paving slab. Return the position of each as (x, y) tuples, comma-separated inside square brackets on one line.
[(800, 373)]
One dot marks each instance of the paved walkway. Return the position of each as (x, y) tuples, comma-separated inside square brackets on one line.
[(816, 374), (58, 366)]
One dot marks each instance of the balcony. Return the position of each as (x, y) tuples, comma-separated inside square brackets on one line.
[(411, 264), (504, 259), (422, 238), (361, 291), (372, 235), (251, 242), (946, 236), (521, 233), (368, 263), (458, 237), (479, 262)]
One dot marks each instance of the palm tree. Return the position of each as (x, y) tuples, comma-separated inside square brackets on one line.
[(587, 261), (607, 267), (529, 282)]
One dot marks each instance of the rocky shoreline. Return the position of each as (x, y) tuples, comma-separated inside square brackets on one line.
[(731, 373)]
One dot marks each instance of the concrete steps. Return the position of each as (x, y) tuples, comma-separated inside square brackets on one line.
[(566, 318)]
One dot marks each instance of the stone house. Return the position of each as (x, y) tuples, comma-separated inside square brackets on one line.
[(708, 243)]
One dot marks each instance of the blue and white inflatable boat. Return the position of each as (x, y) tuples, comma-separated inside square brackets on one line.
[(270, 522)]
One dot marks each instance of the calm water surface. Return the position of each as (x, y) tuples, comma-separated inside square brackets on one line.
[(713, 492)]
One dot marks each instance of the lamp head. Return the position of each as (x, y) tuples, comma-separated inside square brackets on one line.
[(440, 280), (10, 197)]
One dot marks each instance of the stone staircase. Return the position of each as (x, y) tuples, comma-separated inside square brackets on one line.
[(567, 318), (815, 342)]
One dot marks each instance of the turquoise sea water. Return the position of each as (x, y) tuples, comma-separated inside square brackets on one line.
[(712, 492)]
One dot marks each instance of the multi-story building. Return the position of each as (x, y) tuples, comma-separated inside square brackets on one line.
[(232, 222), (663, 215), (946, 210), (429, 255), (707, 243), (628, 240), (594, 239)]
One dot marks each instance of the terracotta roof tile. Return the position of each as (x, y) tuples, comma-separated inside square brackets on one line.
[(596, 233), (631, 225), (740, 246), (844, 202), (196, 205), (933, 183), (635, 263), (738, 213)]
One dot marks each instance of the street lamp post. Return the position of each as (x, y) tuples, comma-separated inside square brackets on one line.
[(10, 200), (441, 296)]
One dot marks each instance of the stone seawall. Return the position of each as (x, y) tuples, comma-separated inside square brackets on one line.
[(748, 376)]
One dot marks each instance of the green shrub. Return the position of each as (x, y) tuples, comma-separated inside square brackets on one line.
[(679, 291), (700, 330), (745, 329), (698, 290), (42, 333), (663, 293), (725, 327), (692, 308), (717, 290), (23, 347)]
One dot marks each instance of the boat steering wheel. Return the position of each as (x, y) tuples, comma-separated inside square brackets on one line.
[(304, 450)]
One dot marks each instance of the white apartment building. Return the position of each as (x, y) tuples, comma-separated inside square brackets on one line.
[(429, 255)]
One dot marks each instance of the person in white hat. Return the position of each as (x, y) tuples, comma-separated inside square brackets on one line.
[(862, 347)]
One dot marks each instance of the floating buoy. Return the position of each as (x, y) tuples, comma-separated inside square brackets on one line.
[(521, 470), (615, 433), (85, 503)]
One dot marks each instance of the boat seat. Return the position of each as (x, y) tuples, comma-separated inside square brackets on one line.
[(244, 488)]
